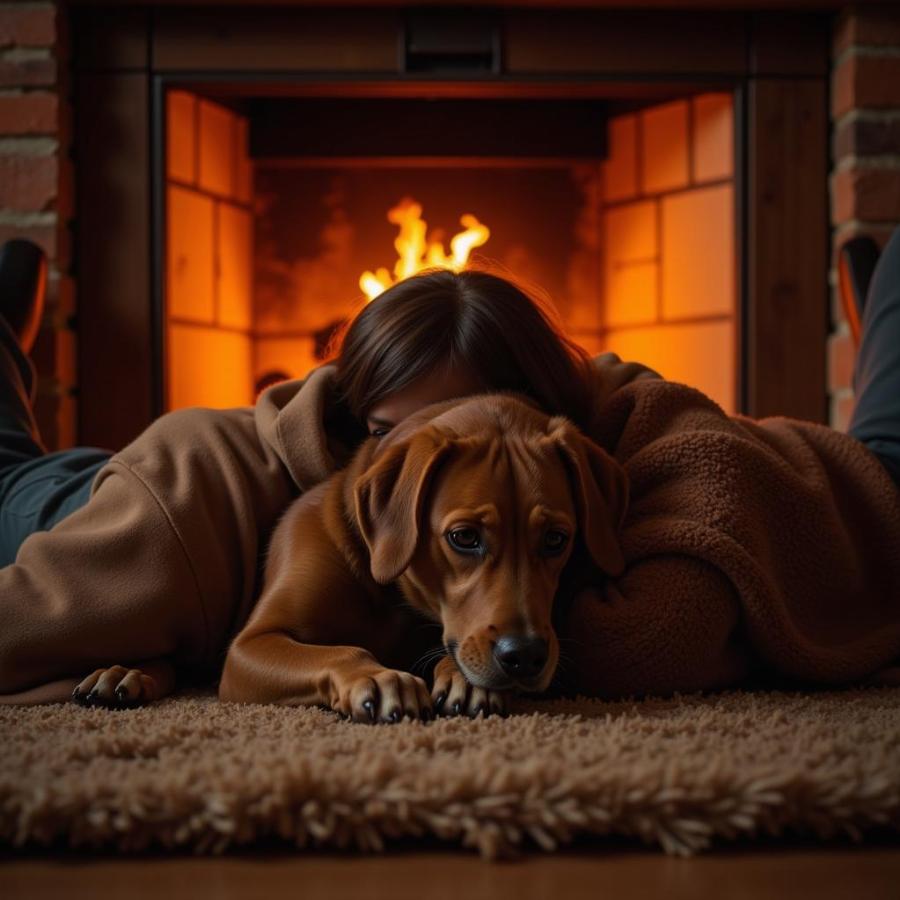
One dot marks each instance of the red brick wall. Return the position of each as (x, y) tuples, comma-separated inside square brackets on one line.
[(865, 182), (35, 200)]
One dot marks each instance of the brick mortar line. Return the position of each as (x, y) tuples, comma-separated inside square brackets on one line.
[(48, 90), (32, 147), (867, 115), (869, 163), (29, 6), (18, 54), (841, 228), (865, 51), (27, 219)]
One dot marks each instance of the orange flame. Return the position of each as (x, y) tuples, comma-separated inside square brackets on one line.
[(414, 253)]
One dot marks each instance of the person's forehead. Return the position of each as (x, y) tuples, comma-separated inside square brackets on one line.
[(423, 391)]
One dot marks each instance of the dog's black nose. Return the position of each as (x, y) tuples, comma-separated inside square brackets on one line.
[(521, 657)]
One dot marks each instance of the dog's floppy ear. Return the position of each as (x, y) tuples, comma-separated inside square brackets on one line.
[(388, 498), (600, 487)]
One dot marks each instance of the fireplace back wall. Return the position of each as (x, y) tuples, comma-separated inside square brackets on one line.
[(264, 256)]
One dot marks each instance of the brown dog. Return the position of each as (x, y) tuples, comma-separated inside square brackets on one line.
[(461, 518)]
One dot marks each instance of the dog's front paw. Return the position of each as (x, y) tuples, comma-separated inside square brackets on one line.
[(454, 696), (116, 688), (385, 696)]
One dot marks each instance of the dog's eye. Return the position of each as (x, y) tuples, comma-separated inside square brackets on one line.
[(555, 541), (465, 539)]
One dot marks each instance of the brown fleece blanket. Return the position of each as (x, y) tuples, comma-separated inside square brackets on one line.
[(751, 546)]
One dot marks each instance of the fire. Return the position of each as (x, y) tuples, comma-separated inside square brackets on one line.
[(414, 253)]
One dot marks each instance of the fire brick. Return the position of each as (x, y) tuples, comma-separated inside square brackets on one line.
[(234, 237), (698, 253), (190, 255), (209, 367), (181, 137), (700, 354), (31, 113), (713, 137), (664, 147), (632, 270), (620, 168), (216, 149)]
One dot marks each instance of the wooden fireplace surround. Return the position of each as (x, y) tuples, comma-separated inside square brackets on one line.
[(123, 59)]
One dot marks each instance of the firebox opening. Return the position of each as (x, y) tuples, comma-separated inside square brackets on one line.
[(627, 222)]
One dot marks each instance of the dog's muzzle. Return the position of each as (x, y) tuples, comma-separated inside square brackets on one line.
[(522, 658)]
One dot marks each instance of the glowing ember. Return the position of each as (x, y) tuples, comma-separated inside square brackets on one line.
[(414, 253)]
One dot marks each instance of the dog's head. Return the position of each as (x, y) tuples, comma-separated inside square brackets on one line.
[(476, 511)]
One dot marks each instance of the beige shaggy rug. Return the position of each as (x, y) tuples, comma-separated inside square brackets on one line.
[(680, 773)]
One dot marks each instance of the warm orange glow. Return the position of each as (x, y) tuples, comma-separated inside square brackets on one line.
[(415, 253)]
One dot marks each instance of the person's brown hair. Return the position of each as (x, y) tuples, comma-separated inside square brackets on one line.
[(507, 337)]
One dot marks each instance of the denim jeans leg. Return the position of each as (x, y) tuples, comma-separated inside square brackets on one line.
[(37, 489), (876, 373)]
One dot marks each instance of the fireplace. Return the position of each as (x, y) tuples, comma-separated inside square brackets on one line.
[(668, 196), (625, 218)]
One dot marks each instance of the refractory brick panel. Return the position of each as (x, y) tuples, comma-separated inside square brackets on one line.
[(713, 137), (217, 149), (620, 168), (190, 256), (664, 149), (631, 250), (208, 367), (700, 354), (181, 136), (698, 276), (234, 234)]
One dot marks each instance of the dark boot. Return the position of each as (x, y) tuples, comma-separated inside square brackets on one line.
[(856, 263), (23, 282)]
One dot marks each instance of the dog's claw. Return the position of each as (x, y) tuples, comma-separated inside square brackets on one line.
[(457, 707), (369, 707), (440, 700), (395, 715), (122, 694)]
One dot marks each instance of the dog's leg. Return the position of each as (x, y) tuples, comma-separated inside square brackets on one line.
[(274, 668), (454, 696)]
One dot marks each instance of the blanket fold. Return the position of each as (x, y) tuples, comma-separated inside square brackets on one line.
[(748, 543)]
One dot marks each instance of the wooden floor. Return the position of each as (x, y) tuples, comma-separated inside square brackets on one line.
[(815, 870)]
